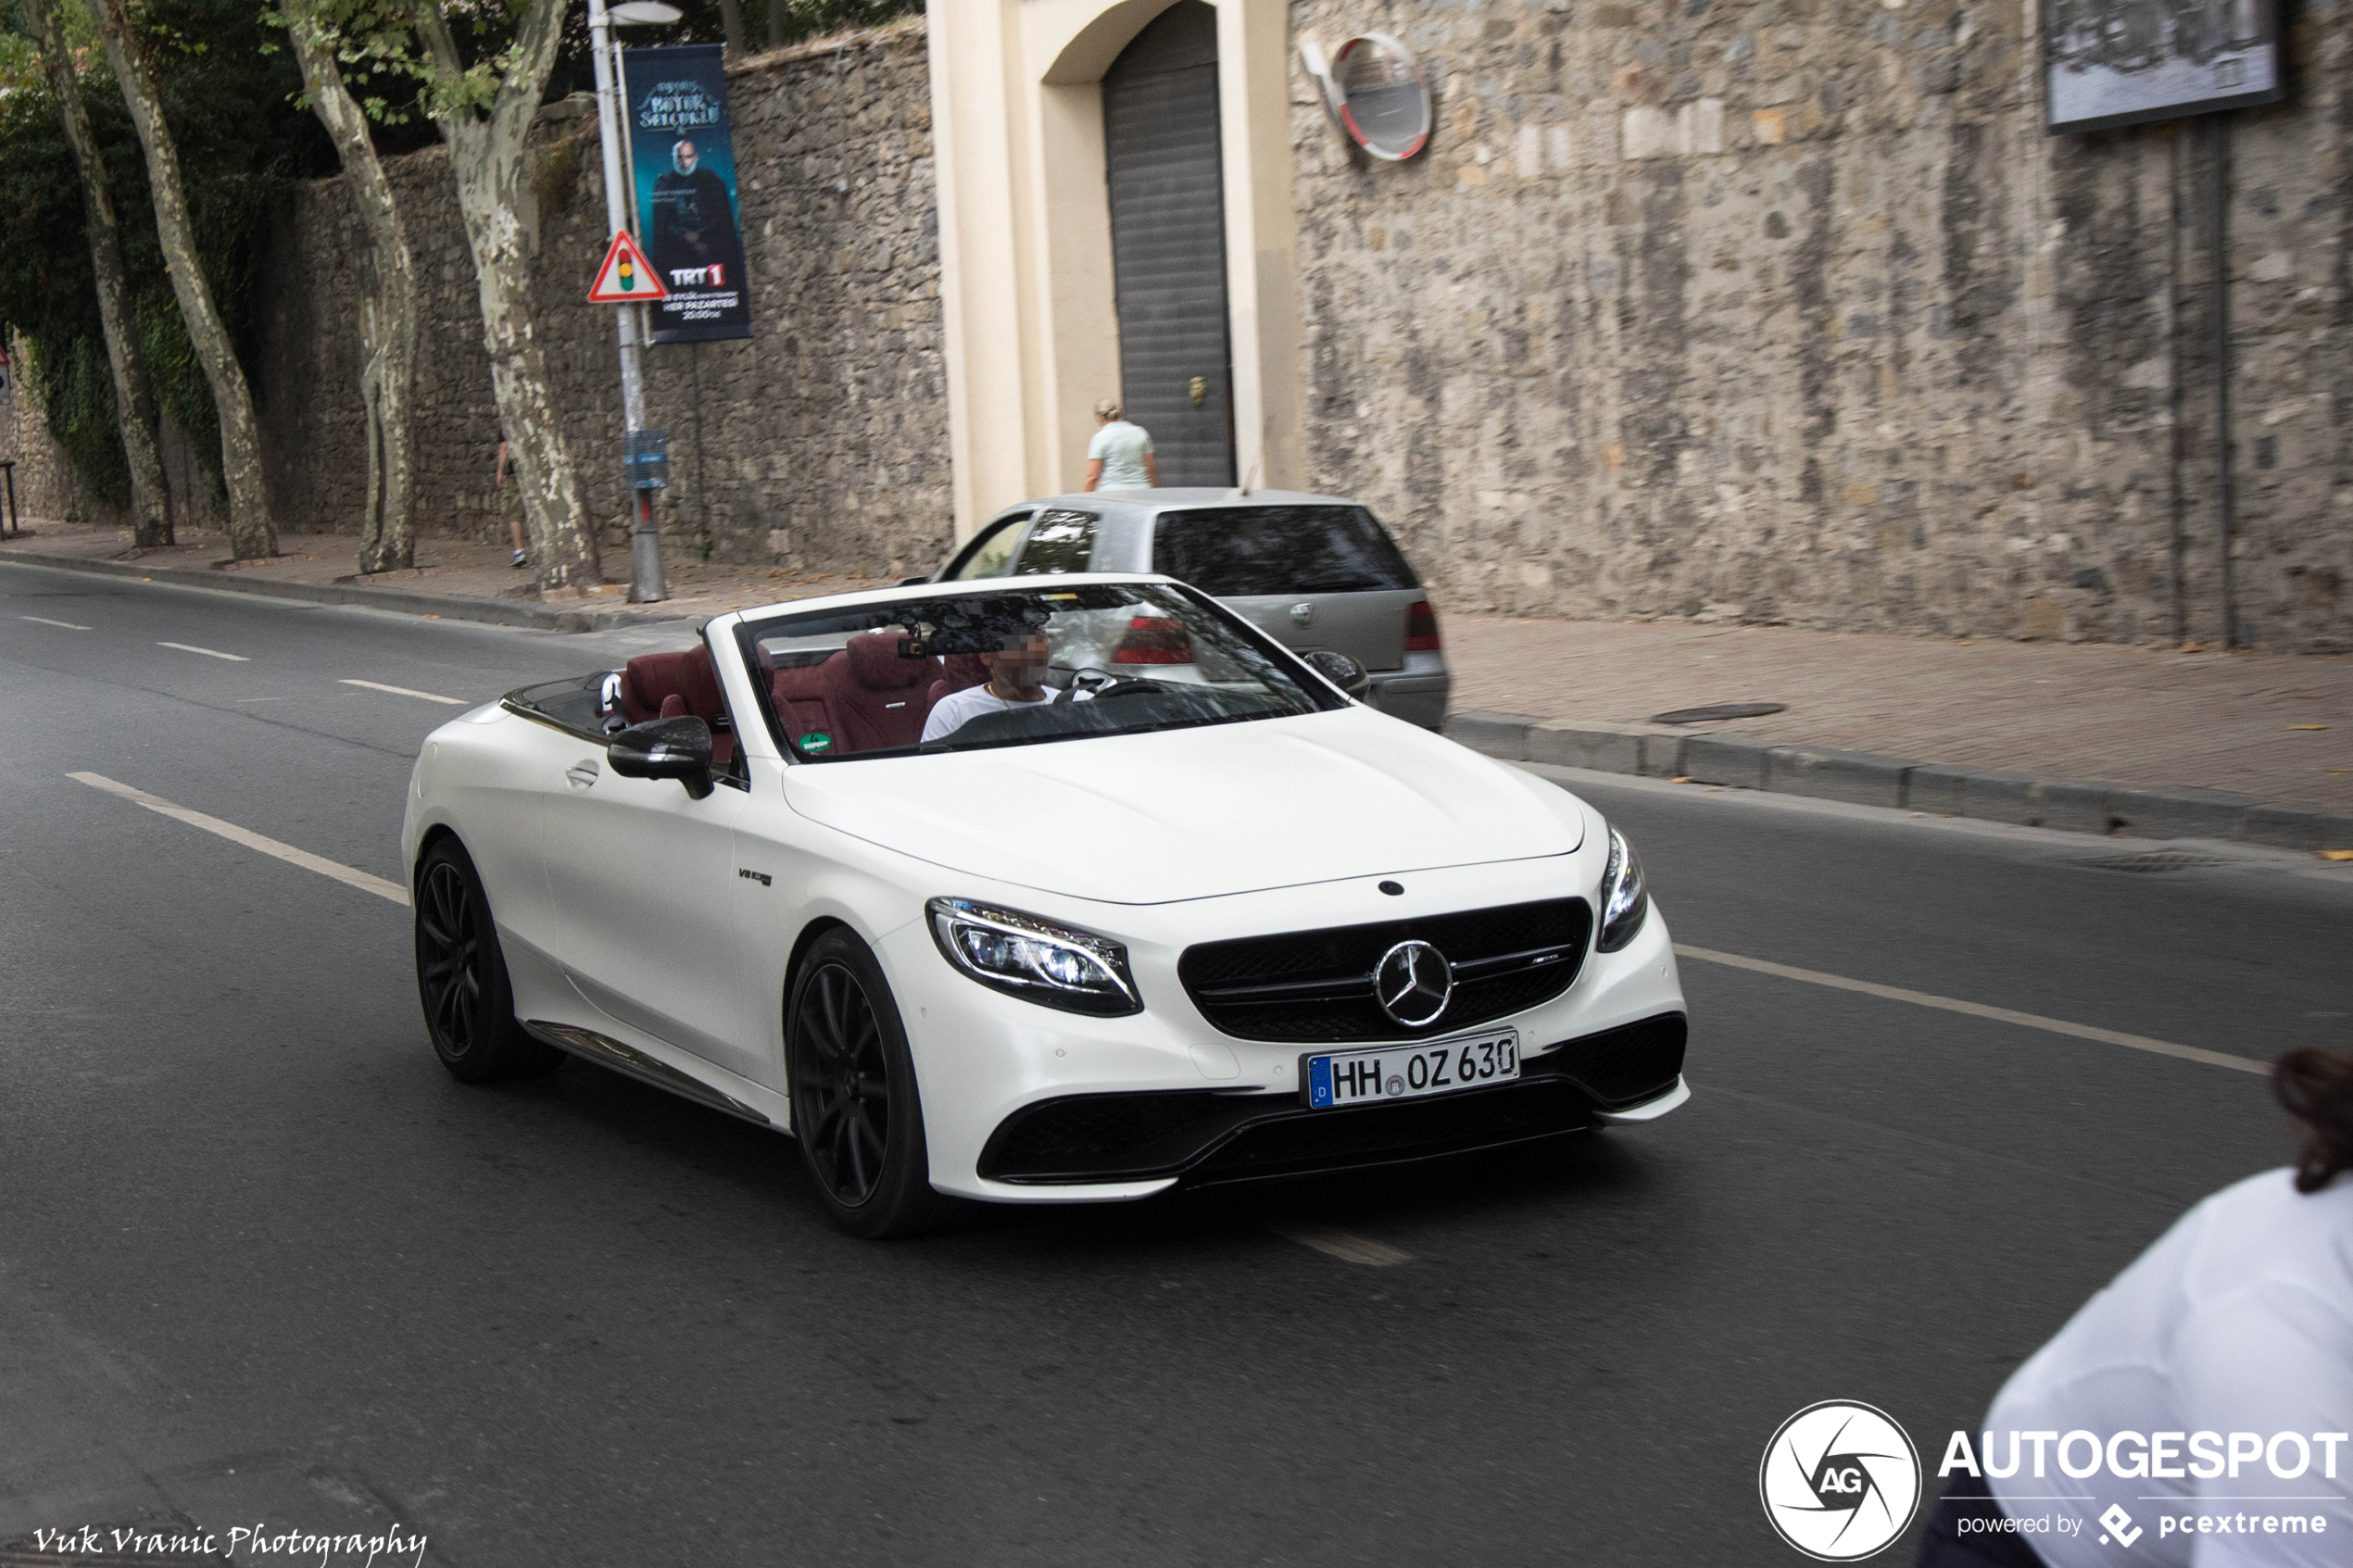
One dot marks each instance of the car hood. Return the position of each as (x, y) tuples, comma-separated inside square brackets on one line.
[(1197, 813)]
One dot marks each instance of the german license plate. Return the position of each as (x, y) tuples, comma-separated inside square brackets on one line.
[(1409, 1071)]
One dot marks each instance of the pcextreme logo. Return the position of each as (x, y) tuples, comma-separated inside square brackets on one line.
[(1839, 1480)]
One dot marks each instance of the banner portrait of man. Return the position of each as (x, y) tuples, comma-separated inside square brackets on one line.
[(682, 156)]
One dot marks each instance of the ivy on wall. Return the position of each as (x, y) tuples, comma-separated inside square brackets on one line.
[(241, 140)]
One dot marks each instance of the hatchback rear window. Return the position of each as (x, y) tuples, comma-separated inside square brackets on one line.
[(1233, 552)]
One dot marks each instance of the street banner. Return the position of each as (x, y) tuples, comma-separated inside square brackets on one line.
[(682, 158), (626, 277)]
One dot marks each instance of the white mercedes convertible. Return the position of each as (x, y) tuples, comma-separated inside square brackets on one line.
[(1048, 890)]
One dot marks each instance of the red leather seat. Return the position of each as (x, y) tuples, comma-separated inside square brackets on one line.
[(801, 703), (876, 699), (675, 685), (963, 671)]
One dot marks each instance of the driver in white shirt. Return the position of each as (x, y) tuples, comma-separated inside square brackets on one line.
[(1017, 680)]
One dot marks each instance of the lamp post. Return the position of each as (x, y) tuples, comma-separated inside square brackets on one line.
[(646, 585)]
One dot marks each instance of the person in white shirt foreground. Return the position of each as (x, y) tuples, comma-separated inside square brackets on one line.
[(1016, 679), (2195, 1413)]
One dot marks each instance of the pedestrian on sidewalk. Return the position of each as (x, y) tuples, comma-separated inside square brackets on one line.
[(510, 503), (2234, 1328), (1120, 458)]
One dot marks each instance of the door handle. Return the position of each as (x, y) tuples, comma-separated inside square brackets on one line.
[(581, 775)]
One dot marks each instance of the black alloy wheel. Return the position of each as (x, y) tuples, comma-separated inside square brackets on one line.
[(841, 1085), (448, 957), (856, 1111), (462, 976)]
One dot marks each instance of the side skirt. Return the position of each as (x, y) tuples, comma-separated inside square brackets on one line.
[(627, 1059)]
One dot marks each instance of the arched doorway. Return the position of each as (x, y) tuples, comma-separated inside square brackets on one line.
[(1166, 174)]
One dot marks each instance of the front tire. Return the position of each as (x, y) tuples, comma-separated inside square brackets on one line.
[(462, 976), (857, 1115)]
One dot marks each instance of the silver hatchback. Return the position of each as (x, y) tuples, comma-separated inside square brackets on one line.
[(1314, 572)]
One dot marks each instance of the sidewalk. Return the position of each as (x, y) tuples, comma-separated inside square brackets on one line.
[(455, 578), (2254, 746)]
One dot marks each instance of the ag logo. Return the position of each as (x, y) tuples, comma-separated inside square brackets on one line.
[(1839, 1480)]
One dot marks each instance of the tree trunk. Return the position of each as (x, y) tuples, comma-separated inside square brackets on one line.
[(776, 23), (250, 533), (487, 154), (134, 400), (731, 22), (388, 530)]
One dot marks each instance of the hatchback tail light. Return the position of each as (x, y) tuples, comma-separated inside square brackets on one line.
[(1154, 639), (1421, 629)]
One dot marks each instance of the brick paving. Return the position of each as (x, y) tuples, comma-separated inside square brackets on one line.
[(2135, 716)]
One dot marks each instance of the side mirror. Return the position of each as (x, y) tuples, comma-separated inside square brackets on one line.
[(1341, 671), (665, 749)]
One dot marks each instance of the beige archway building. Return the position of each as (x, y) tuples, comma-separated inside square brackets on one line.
[(1025, 237)]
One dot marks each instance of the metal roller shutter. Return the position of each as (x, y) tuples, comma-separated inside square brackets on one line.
[(1168, 243)]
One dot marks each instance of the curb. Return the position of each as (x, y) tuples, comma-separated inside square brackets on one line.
[(1863, 778), (495, 612)]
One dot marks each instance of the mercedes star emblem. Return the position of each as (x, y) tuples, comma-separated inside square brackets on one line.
[(1413, 982), (1303, 615)]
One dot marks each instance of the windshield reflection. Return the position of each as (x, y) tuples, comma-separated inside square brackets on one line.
[(1016, 667)]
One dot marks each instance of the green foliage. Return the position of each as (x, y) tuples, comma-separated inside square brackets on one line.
[(812, 18), (69, 373), (241, 141)]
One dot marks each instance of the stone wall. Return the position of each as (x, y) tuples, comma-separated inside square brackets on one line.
[(1789, 311), (818, 442)]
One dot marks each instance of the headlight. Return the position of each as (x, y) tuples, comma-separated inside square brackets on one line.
[(1625, 900), (1034, 959)]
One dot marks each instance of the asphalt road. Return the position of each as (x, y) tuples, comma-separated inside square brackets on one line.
[(261, 1259)]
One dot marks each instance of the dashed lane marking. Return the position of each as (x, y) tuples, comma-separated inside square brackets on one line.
[(404, 690), (45, 621), (1978, 1009), (208, 653), (348, 875), (1340, 1244)]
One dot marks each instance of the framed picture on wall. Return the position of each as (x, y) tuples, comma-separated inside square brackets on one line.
[(2119, 62)]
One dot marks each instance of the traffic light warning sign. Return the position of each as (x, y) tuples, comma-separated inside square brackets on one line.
[(626, 277)]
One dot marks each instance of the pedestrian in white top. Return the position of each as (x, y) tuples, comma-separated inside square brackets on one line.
[(1017, 680), (1120, 458), (2198, 1410)]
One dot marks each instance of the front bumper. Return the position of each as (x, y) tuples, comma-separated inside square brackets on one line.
[(1199, 1136), (984, 1059)]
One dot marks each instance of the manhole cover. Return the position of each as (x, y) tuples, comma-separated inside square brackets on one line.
[(2153, 860), (1720, 710)]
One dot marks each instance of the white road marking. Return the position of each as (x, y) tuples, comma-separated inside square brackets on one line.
[(251, 840), (1978, 1009), (45, 621), (208, 653), (404, 690), (1341, 1245)]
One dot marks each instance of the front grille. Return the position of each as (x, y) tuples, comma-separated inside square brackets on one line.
[(1205, 1136), (1318, 984)]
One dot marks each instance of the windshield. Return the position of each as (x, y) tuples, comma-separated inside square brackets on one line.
[(1020, 666)]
